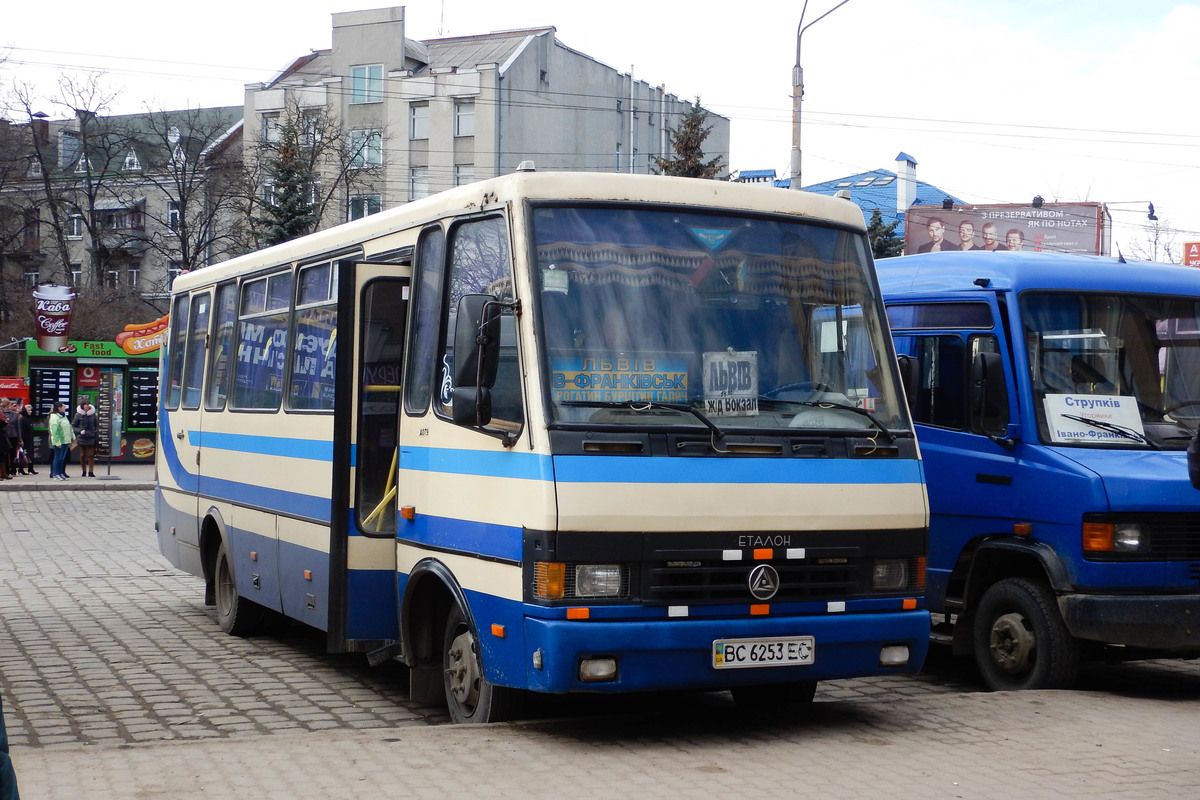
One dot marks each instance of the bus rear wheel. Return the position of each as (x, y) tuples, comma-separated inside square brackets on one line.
[(469, 696), (236, 615), (1020, 639)]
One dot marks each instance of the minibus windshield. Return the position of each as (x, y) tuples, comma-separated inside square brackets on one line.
[(655, 317), (1119, 370)]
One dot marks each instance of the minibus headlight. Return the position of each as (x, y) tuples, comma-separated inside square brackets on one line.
[(598, 580), (1118, 537), (1129, 537), (890, 575)]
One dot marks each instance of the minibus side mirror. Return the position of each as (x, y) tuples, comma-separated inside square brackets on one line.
[(989, 396), (1193, 460), (908, 379), (476, 357)]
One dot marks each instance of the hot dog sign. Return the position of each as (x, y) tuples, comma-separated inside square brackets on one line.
[(140, 338)]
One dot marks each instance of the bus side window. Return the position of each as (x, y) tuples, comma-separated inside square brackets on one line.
[(940, 396), (173, 379), (221, 364), (193, 360), (480, 264)]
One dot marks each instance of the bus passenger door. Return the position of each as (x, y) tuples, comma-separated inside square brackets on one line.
[(371, 449)]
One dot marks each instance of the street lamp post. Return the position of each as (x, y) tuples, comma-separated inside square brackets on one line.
[(798, 91)]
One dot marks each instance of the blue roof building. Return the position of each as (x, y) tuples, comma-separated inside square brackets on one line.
[(890, 192)]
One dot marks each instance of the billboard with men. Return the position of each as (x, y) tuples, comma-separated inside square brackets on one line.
[(1048, 227)]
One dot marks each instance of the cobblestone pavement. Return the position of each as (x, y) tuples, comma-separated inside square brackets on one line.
[(117, 683)]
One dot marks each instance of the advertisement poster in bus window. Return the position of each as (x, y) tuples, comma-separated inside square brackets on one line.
[(315, 358)]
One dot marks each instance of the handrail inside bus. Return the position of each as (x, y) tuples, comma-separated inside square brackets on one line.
[(388, 495)]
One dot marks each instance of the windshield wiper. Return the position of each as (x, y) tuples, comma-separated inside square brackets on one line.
[(1121, 430), (891, 437), (647, 405)]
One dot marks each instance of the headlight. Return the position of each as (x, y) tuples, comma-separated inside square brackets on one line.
[(598, 580), (1119, 537), (1129, 537), (890, 575)]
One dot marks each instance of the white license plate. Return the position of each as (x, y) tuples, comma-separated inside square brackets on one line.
[(787, 652)]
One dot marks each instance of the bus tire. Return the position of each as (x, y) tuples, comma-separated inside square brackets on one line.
[(236, 615), (1020, 639), (470, 698), (775, 695)]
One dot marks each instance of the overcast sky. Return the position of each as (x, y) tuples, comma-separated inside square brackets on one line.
[(996, 102)]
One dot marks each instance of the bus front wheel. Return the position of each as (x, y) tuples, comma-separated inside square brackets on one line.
[(469, 696), (1020, 639)]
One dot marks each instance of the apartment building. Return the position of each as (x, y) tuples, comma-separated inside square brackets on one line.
[(423, 116)]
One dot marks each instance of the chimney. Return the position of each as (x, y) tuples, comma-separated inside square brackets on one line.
[(906, 182)]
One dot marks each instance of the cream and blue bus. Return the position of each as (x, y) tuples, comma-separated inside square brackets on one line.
[(556, 433)]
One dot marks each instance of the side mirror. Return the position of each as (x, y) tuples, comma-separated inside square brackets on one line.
[(476, 341), (1193, 460), (989, 395), (908, 379)]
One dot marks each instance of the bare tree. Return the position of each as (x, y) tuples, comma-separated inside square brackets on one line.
[(189, 223), (1158, 242)]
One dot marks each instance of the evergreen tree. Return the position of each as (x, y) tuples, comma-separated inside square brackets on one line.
[(288, 209), (884, 241), (688, 143)]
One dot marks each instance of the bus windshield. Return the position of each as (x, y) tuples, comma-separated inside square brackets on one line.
[(1114, 370), (651, 317)]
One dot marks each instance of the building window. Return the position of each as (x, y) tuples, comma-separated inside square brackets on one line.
[(464, 174), (83, 165), (75, 226), (366, 149), (418, 183), (174, 270), (418, 121), (132, 164), (112, 278), (366, 83), (77, 274), (173, 216), (31, 277), (271, 128), (121, 219), (33, 231), (133, 275), (35, 168), (464, 118), (365, 205)]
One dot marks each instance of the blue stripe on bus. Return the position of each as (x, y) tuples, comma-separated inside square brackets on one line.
[(263, 445), (617, 469), (493, 464), (464, 536), (275, 500)]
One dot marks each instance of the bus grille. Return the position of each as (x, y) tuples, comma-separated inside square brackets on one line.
[(684, 581)]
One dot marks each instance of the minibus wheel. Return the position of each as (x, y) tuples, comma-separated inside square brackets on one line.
[(1021, 641), (469, 696), (236, 615)]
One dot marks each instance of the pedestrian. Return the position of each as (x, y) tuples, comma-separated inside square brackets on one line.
[(25, 421), (5, 452), (87, 433), (8, 776), (61, 437), (8, 411)]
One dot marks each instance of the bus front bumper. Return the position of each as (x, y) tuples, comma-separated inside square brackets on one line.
[(678, 654)]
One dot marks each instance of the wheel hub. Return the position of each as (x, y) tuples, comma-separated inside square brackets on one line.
[(462, 670), (1012, 643)]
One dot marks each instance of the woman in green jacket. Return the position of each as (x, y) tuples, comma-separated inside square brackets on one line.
[(61, 436)]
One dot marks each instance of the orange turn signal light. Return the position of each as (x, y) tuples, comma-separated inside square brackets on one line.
[(1098, 537)]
